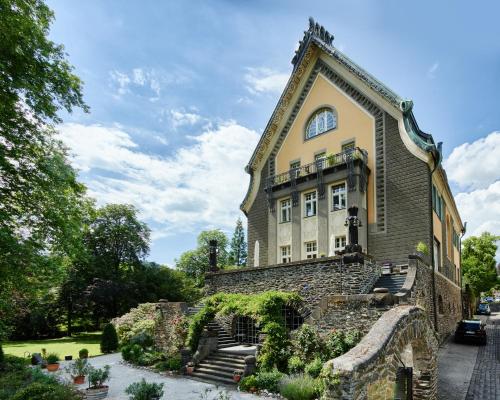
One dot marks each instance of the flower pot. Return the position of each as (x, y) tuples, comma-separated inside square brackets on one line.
[(236, 378), (96, 393), (52, 367), (253, 389), (79, 380), (189, 370)]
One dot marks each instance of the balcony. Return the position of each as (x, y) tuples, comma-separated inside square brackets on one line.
[(330, 161)]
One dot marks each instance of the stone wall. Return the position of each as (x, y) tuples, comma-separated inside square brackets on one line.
[(449, 306), (313, 279), (170, 330), (359, 311), (369, 370)]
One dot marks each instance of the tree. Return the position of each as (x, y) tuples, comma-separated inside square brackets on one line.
[(478, 262), (109, 339), (41, 200), (195, 263), (238, 252)]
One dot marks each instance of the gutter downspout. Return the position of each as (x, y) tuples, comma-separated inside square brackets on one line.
[(464, 230), (436, 164)]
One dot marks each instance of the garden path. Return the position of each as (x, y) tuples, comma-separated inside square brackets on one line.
[(175, 388)]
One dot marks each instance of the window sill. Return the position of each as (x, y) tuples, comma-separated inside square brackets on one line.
[(285, 222), (310, 216)]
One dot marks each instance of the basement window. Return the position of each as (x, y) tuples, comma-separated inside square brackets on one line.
[(311, 249)]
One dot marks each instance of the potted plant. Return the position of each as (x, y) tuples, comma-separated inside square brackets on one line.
[(237, 374), (83, 353), (52, 362), (145, 391), (422, 250), (189, 368), (78, 369), (97, 377)]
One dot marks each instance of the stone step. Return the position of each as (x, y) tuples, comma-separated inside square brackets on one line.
[(226, 345), (222, 356), (222, 364), (215, 371), (213, 378)]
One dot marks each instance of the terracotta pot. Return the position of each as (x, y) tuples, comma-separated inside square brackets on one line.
[(96, 393), (79, 380), (189, 370), (253, 389), (236, 378), (52, 367)]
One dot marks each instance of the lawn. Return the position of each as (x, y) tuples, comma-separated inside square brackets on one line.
[(63, 346)]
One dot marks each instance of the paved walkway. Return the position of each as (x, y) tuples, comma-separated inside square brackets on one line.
[(485, 382), (175, 388)]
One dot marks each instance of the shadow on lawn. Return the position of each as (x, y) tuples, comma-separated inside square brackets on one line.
[(84, 338)]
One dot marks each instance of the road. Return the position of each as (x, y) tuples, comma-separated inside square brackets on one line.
[(470, 372)]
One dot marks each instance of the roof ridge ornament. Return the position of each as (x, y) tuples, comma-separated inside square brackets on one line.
[(315, 30)]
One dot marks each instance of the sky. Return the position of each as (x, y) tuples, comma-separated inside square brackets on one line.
[(180, 92)]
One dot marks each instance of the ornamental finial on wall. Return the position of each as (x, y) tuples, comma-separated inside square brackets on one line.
[(316, 31)]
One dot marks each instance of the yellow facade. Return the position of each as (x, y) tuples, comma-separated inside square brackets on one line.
[(353, 124)]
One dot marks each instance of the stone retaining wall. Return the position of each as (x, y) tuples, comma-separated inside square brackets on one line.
[(449, 307), (168, 330), (313, 279)]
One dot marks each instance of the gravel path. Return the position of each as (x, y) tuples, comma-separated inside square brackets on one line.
[(175, 388)]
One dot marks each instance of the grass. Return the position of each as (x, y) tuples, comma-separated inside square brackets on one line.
[(64, 346)]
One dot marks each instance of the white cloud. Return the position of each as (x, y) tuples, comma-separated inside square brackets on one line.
[(199, 186), (431, 72), (147, 78), (265, 80), (180, 118), (475, 165)]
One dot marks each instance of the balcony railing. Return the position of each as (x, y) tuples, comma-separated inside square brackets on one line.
[(330, 160)]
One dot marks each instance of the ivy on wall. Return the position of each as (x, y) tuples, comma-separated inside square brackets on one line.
[(265, 308)]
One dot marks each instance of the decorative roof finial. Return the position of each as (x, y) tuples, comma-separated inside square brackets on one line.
[(315, 31)]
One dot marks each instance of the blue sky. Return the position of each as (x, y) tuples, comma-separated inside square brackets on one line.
[(180, 92)]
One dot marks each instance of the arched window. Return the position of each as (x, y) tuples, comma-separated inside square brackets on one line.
[(321, 121)]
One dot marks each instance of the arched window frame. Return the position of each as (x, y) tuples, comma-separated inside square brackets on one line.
[(314, 118)]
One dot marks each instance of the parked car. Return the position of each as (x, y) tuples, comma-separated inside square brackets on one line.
[(483, 309), (489, 299), (470, 331)]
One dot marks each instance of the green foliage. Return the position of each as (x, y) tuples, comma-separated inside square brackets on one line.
[(132, 353), (170, 364), (44, 391), (478, 262), (53, 358), (299, 387), (307, 342), (295, 365), (339, 342), (2, 357), (314, 367), (79, 367), (98, 376), (138, 320), (37, 375), (248, 382), (265, 308), (238, 246), (150, 358), (109, 339), (268, 380), (144, 391), (143, 339), (422, 248), (83, 353)]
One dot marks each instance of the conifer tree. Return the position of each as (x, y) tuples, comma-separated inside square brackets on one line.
[(238, 248)]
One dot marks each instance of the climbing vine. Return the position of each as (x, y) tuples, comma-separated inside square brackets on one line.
[(265, 308)]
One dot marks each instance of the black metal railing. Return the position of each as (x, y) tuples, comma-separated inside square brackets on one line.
[(330, 160)]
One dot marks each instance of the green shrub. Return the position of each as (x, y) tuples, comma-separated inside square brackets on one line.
[(132, 353), (83, 353), (143, 339), (98, 376), (144, 391), (295, 365), (53, 358), (314, 367), (268, 380), (44, 391), (149, 358), (248, 382), (298, 387), (170, 364), (307, 343), (275, 349), (37, 375), (339, 342), (137, 320), (109, 339), (2, 357)]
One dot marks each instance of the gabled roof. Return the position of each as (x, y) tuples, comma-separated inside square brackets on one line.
[(319, 37)]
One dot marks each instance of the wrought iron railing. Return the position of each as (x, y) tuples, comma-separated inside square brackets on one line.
[(330, 160)]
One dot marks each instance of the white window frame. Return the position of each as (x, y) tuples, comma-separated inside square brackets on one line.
[(318, 122), (311, 249), (310, 204), (286, 210), (286, 254), (340, 242), (340, 195)]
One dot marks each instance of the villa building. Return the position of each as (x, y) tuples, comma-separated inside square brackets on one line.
[(340, 137)]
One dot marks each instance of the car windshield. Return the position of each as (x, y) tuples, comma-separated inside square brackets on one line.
[(483, 306), (470, 326)]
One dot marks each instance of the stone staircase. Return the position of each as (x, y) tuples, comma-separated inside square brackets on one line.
[(392, 282), (219, 366)]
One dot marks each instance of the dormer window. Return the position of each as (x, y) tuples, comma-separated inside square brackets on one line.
[(321, 121)]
